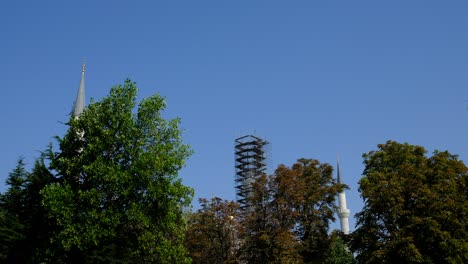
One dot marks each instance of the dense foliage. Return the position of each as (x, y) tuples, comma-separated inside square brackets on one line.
[(338, 251), (212, 235), (415, 207), (25, 227), (111, 194), (114, 195), (287, 220)]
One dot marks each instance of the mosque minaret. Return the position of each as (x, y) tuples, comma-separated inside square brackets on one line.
[(343, 211)]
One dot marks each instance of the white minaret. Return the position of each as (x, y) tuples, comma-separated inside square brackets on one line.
[(343, 211), (79, 105)]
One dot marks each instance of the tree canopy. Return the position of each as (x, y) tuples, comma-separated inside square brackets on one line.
[(338, 251), (415, 207), (109, 194), (213, 232), (117, 195), (23, 220), (287, 220)]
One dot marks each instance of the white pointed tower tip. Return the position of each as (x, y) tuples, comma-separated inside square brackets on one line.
[(338, 171), (79, 105)]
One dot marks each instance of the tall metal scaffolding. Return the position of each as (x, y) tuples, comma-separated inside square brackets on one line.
[(250, 163)]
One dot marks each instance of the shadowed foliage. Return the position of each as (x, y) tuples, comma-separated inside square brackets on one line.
[(110, 194), (213, 232), (287, 220), (415, 207)]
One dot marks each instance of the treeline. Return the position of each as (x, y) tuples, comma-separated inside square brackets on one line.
[(110, 193), (286, 221), (415, 211)]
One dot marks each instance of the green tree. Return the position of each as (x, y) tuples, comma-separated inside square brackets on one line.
[(213, 232), (312, 194), (415, 207), (39, 227), (13, 199), (12, 213), (288, 221), (268, 236), (338, 252), (118, 197), (11, 231)]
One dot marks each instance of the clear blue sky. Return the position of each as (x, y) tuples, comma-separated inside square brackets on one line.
[(315, 78)]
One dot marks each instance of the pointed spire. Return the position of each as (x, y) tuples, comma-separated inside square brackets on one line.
[(343, 211), (338, 172), (80, 96)]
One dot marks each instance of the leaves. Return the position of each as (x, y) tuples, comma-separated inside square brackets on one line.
[(287, 220), (338, 253), (414, 207), (117, 186), (213, 232)]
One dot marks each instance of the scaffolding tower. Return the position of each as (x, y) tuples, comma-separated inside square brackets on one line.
[(250, 163)]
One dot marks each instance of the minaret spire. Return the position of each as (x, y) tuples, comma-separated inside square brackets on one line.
[(343, 211), (80, 96), (338, 172)]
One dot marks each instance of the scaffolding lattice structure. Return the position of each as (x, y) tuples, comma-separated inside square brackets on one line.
[(250, 163)]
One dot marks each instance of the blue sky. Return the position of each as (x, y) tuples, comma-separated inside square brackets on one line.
[(315, 78)]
